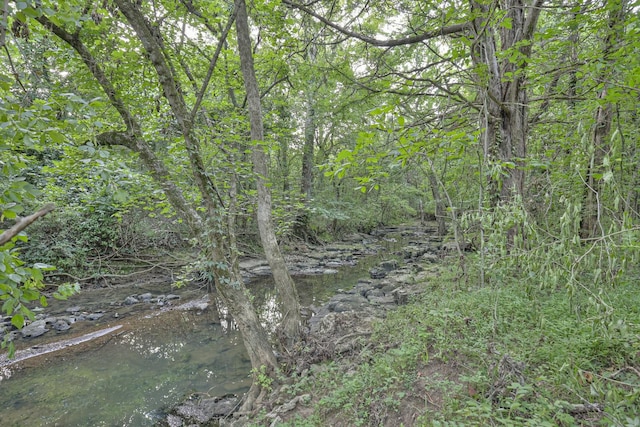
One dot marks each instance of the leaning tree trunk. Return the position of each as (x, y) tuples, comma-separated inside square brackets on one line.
[(228, 282), (292, 320)]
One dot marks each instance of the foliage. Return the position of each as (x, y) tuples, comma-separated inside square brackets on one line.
[(493, 355)]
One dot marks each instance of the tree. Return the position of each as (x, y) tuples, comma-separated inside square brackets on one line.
[(591, 224), (292, 321), (205, 220)]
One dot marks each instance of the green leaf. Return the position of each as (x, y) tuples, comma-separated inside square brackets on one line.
[(15, 278), (17, 320), (56, 137)]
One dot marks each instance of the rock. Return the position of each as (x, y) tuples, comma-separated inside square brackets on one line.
[(172, 297), (74, 309), (60, 325), (374, 293), (334, 264), (383, 300), (346, 302), (377, 273), (35, 329), (204, 410), (131, 300), (261, 271), (250, 264), (145, 297), (400, 296), (389, 265), (199, 304), (432, 258), (94, 316), (174, 421)]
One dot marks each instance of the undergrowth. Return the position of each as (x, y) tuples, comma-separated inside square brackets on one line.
[(477, 356)]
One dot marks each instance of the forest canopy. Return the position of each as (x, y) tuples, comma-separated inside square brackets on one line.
[(230, 126)]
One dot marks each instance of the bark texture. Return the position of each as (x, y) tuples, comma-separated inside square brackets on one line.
[(291, 317)]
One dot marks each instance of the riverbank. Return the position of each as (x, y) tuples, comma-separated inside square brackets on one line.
[(463, 354)]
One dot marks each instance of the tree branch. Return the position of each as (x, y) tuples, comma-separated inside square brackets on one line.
[(151, 161), (24, 223), (443, 31), (116, 138)]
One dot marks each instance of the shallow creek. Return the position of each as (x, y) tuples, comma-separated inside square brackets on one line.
[(153, 362)]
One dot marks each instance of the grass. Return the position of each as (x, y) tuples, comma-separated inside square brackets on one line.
[(490, 356)]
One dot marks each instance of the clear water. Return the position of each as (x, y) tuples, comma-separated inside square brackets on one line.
[(131, 378), (154, 363)]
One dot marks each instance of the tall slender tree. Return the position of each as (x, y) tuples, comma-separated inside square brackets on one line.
[(292, 321)]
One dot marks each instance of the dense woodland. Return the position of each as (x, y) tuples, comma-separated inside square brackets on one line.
[(135, 127)]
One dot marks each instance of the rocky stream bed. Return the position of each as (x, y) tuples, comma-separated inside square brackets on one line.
[(334, 327)]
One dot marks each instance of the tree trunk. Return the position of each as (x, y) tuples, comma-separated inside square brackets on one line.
[(227, 279), (291, 317), (439, 201), (503, 92), (591, 213), (309, 134)]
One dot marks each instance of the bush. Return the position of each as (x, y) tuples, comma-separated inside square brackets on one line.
[(70, 239)]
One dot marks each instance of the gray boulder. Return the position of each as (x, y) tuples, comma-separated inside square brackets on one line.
[(131, 300), (35, 329)]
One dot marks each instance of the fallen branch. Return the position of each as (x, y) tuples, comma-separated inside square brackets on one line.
[(583, 408), (24, 223)]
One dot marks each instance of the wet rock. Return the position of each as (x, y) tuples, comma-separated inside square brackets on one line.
[(204, 410), (145, 297), (172, 297), (35, 329), (74, 309), (131, 300)]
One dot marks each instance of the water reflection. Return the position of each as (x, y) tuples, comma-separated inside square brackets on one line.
[(131, 378), (126, 381)]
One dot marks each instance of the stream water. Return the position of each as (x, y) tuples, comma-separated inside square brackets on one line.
[(127, 379)]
